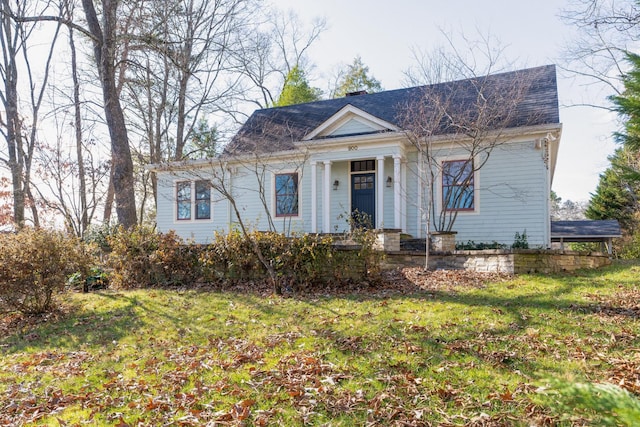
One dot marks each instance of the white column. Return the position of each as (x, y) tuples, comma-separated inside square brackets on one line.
[(397, 211), (380, 193), (314, 197), (326, 198), (403, 194), (420, 188)]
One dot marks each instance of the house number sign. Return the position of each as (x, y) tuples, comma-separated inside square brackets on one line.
[(353, 148)]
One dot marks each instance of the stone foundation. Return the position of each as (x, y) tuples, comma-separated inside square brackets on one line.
[(519, 261)]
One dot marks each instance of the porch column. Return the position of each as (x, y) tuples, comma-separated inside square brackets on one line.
[(326, 198), (403, 193), (420, 189), (380, 192), (397, 209), (314, 197)]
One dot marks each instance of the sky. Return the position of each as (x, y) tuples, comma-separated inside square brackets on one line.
[(385, 33)]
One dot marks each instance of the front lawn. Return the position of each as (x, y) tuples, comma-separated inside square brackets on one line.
[(441, 349)]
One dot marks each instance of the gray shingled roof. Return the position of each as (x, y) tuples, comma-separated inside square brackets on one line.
[(275, 129), (585, 230)]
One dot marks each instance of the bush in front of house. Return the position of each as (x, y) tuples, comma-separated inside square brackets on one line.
[(312, 259), (470, 245), (230, 257), (299, 261), (141, 258), (35, 265)]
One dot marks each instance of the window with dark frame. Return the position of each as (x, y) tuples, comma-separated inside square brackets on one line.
[(363, 165), (458, 186), (286, 191), (183, 200), (203, 200)]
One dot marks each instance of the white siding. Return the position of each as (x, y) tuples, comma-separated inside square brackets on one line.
[(198, 230), (513, 191), (352, 127)]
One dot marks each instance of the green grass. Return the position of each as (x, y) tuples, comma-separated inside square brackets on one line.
[(455, 357)]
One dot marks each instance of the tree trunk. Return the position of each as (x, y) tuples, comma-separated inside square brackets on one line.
[(84, 219), (9, 40), (122, 163), (108, 203)]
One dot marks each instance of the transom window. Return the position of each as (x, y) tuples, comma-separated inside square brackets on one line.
[(286, 192), (457, 185), (363, 165), (186, 204)]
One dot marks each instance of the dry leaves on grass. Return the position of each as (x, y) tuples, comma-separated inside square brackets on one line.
[(406, 280), (439, 280), (623, 303)]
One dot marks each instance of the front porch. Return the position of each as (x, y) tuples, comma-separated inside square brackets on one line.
[(374, 186)]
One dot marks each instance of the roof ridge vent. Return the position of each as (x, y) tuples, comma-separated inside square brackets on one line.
[(356, 93)]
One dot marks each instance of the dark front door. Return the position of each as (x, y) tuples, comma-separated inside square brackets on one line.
[(363, 199)]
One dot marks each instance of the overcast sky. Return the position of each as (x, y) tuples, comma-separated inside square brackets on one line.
[(384, 33)]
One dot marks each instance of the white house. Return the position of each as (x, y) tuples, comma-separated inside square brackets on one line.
[(306, 168)]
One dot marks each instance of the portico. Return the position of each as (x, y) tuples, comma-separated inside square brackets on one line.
[(372, 186)]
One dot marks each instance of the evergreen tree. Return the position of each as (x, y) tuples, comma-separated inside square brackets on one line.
[(296, 89), (203, 142), (627, 105), (356, 78), (616, 196)]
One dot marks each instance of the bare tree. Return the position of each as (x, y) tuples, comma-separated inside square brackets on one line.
[(245, 171), (468, 117), (104, 35), (607, 29), (20, 124), (271, 50), (73, 193), (181, 74)]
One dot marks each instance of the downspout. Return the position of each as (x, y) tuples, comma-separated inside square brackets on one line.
[(229, 213), (547, 160)]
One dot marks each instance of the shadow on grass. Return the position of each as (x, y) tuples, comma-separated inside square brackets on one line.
[(74, 329)]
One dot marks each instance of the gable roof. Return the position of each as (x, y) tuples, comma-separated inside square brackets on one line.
[(276, 129), (347, 114)]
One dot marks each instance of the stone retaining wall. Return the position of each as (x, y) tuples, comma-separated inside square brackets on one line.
[(519, 261)]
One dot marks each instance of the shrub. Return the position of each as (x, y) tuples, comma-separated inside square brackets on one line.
[(520, 241), (141, 258), (298, 261), (230, 257), (628, 247), (35, 266), (130, 258), (99, 235), (310, 258), (178, 262), (366, 255), (473, 246)]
